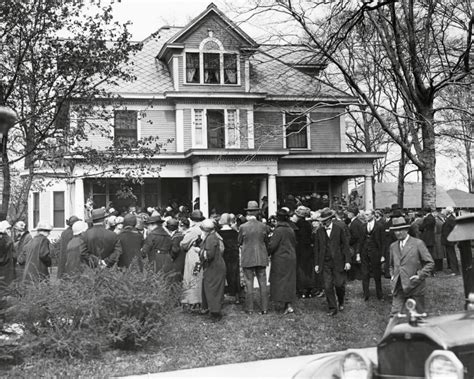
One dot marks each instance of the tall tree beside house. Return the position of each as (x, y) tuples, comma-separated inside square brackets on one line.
[(424, 49), (54, 52)]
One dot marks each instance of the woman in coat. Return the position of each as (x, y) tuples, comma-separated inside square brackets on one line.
[(7, 263), (77, 255), (283, 262), (132, 242), (38, 257), (213, 281), (231, 255)]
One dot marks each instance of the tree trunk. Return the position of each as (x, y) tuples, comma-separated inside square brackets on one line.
[(6, 180), (401, 179), (470, 185), (428, 171)]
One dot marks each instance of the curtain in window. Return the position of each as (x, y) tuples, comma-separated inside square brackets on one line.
[(230, 68), (296, 134), (192, 67), (232, 128), (198, 115), (211, 68)]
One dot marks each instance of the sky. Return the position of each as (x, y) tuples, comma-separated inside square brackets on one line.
[(147, 16)]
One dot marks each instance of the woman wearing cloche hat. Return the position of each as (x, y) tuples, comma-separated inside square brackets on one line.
[(213, 281)]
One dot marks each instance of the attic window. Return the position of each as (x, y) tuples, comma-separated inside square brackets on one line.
[(211, 45)]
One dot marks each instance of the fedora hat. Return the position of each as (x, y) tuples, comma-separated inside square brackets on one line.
[(44, 226), (326, 214), (98, 214), (154, 220), (303, 211), (399, 223), (196, 215), (252, 206)]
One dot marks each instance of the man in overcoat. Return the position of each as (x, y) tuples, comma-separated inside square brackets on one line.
[(447, 227), (372, 254), (132, 242), (356, 231), (332, 257), (253, 237), (38, 256), (66, 236), (103, 245), (22, 239), (410, 264), (427, 229), (157, 245)]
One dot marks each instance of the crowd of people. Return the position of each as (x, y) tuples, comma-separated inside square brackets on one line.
[(312, 252)]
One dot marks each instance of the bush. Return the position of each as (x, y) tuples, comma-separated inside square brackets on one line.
[(79, 316)]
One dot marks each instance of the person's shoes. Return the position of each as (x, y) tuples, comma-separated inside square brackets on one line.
[(204, 312), (289, 310), (332, 312), (320, 294), (264, 312), (341, 308)]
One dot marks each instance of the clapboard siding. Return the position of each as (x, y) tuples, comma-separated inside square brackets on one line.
[(99, 133), (268, 130), (187, 129), (161, 124), (325, 132)]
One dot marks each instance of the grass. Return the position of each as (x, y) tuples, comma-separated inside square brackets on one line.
[(193, 341)]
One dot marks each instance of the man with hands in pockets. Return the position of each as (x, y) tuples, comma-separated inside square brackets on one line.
[(410, 264)]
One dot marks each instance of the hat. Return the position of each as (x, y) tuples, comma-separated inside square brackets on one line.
[(449, 210), (44, 226), (172, 224), (225, 219), (71, 220), (112, 220), (326, 214), (4, 226), (154, 220), (395, 206), (79, 227), (118, 220), (265, 198), (196, 215), (282, 214), (20, 225), (252, 206), (399, 223), (207, 225), (303, 211), (130, 220), (396, 213), (98, 214)]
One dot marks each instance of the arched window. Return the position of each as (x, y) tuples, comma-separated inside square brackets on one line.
[(212, 64)]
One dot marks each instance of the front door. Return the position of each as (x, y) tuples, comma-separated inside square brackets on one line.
[(230, 193)]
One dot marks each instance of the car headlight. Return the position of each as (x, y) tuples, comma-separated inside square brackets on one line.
[(443, 364), (355, 366)]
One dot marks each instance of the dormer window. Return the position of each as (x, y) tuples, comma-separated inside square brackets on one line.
[(211, 64)]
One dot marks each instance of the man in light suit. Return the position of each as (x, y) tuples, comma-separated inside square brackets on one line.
[(410, 264), (253, 238), (332, 257)]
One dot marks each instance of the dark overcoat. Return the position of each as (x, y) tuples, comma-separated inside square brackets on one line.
[(334, 248), (415, 259), (38, 259), (427, 229), (373, 243), (356, 232), (213, 280), (231, 259), (304, 255), (103, 244), (178, 254), (447, 227), (20, 252), (281, 247), (253, 236), (66, 236), (157, 248), (77, 256), (7, 263), (132, 242)]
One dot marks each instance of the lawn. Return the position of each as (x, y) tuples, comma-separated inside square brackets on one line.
[(194, 341)]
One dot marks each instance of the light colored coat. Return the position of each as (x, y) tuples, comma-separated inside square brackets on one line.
[(415, 259)]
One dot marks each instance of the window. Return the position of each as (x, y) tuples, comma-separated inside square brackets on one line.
[(192, 68), (36, 208), (215, 129), (232, 129), (211, 64), (125, 125), (198, 128), (58, 209), (296, 131), (230, 68)]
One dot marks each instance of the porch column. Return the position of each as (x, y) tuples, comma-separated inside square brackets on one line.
[(159, 193), (79, 202), (368, 196), (204, 195), (272, 195), (195, 189), (263, 190)]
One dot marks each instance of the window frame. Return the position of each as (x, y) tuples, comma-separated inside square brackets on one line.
[(136, 129), (62, 223), (221, 51), (308, 130), (36, 212), (205, 144)]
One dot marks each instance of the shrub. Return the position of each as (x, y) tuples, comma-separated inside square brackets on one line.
[(79, 316)]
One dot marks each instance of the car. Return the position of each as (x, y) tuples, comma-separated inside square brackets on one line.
[(423, 347)]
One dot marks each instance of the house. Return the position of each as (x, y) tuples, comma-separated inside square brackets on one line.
[(238, 121)]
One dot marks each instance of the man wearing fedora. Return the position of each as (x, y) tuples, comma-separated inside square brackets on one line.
[(103, 245), (332, 257), (157, 245), (410, 264), (253, 238)]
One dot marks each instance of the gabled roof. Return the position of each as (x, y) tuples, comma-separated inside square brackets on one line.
[(211, 8), (462, 199)]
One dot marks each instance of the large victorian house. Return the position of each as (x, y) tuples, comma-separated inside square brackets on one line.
[(238, 120)]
